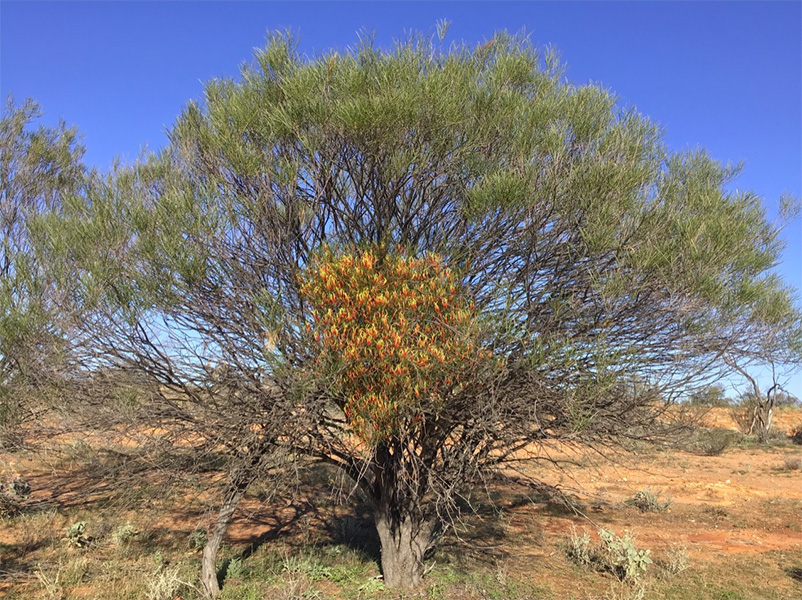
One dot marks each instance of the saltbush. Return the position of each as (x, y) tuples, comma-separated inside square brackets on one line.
[(617, 555)]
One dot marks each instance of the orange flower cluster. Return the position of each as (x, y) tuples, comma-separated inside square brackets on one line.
[(395, 331)]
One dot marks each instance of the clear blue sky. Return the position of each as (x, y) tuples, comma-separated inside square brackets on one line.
[(726, 76)]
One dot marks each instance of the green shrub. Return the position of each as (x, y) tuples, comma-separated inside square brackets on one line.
[(74, 536), (197, 539), (621, 557), (617, 555), (235, 569)]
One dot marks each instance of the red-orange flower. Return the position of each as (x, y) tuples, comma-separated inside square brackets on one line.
[(397, 329)]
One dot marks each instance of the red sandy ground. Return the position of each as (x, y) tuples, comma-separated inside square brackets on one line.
[(744, 501)]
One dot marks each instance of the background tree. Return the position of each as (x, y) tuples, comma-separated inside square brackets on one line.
[(712, 395), (585, 273), (756, 411), (39, 169)]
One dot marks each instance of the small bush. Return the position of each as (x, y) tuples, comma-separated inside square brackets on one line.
[(197, 539), (796, 435), (744, 414), (792, 463), (621, 557), (74, 536), (648, 501), (235, 569), (623, 591), (776, 437), (124, 534), (676, 560), (712, 442), (617, 555), (716, 512), (308, 566), (579, 548), (165, 584)]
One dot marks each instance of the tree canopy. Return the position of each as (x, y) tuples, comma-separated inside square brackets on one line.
[(39, 169)]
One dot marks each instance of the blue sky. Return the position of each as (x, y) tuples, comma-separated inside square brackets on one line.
[(726, 76)]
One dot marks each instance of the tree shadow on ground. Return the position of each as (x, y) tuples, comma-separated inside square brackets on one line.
[(281, 526), (357, 532)]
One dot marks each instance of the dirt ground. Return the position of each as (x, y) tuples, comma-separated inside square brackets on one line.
[(738, 516)]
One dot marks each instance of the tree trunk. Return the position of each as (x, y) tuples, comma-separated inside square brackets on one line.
[(234, 493), (764, 422), (403, 544)]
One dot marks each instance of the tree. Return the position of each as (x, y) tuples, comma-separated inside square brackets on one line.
[(158, 318), (758, 407), (712, 395), (39, 169), (424, 267)]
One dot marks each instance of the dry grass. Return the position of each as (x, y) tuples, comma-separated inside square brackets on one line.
[(731, 533)]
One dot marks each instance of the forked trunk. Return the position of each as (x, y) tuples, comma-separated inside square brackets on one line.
[(403, 544), (764, 422), (211, 587)]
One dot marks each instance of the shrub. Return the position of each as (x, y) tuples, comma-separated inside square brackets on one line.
[(235, 569), (165, 584), (648, 501), (792, 463), (124, 534), (617, 555), (796, 434), (74, 536), (197, 539), (712, 442), (579, 548), (676, 560), (709, 397), (776, 437), (620, 556), (744, 413)]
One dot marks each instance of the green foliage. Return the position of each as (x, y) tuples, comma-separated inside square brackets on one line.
[(580, 548), (197, 539), (604, 272), (235, 568), (74, 535), (41, 169), (617, 555), (712, 396), (621, 556)]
